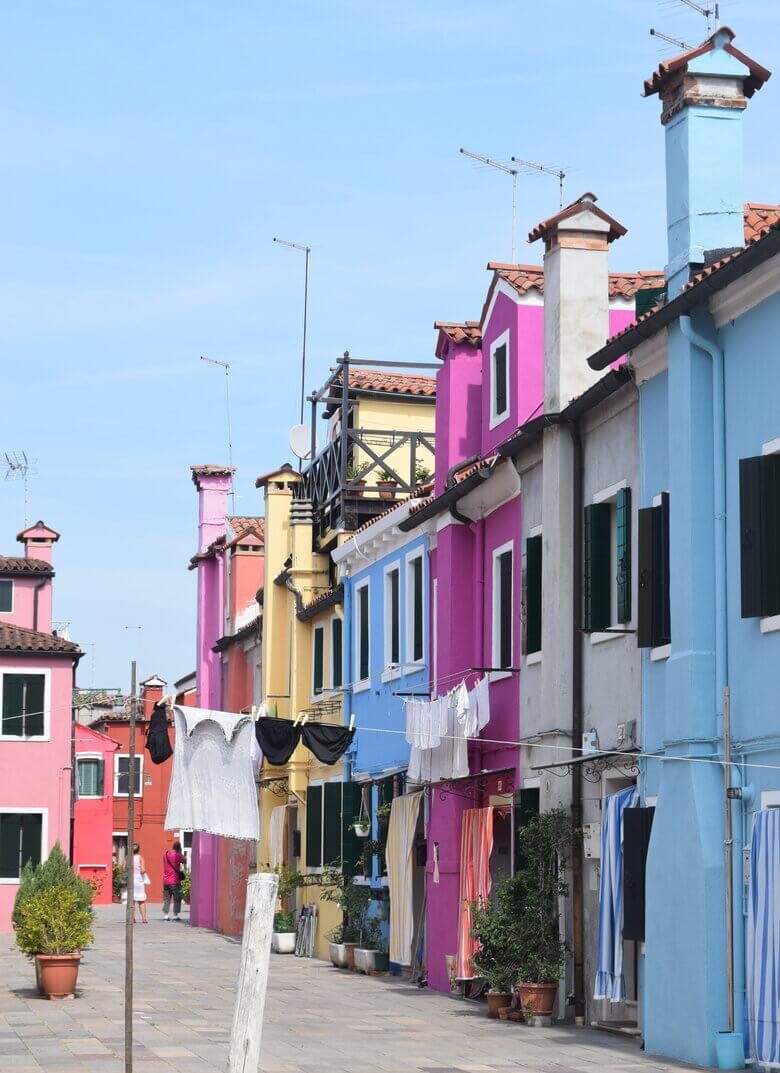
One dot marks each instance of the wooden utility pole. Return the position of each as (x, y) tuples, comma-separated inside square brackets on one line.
[(246, 1035), (129, 869)]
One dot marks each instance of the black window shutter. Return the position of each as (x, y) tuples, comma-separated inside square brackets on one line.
[(662, 623), (623, 554), (34, 687), (750, 535), (499, 369), (10, 837), (363, 670), (395, 618), (533, 594), (505, 609), (319, 655), (350, 809), (637, 825), (32, 827), (770, 539), (13, 720), (645, 579), (597, 587), (337, 654), (331, 841), (314, 827), (417, 622), (6, 595)]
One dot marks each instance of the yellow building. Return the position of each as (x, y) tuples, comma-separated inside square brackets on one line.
[(306, 808)]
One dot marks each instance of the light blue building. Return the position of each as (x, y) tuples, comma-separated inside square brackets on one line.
[(707, 363), (385, 574)]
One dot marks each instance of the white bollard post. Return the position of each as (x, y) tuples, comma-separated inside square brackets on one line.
[(253, 975)]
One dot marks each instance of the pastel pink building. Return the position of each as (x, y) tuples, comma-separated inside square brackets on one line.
[(93, 826), (36, 688), (490, 383)]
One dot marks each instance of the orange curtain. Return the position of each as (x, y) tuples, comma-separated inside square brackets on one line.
[(476, 843)]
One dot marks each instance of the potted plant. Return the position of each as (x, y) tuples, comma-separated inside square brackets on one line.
[(336, 949), (371, 955), (361, 825), (493, 924), (117, 876), (543, 848), (284, 934), (386, 484), (422, 474), (352, 899), (356, 477), (54, 927), (383, 812), (186, 886)]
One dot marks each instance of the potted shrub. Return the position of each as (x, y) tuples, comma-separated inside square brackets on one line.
[(284, 934), (54, 927), (352, 899), (494, 925), (356, 478), (117, 876), (386, 484), (543, 848), (336, 949), (422, 474), (371, 955)]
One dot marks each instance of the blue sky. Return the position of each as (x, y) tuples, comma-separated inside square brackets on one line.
[(150, 153)]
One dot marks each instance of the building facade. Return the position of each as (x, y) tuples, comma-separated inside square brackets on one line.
[(93, 810)]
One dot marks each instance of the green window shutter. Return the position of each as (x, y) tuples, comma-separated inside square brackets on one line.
[(363, 663), (417, 618), (505, 609), (10, 843), (623, 554), (100, 778), (32, 828), (314, 827), (6, 595), (770, 541), (319, 655), (648, 298), (662, 623), (645, 577), (499, 373), (13, 719), (337, 653), (34, 689), (331, 840), (597, 587), (532, 582), (351, 845), (750, 535), (395, 618)]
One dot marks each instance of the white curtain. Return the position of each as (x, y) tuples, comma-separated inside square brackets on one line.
[(276, 840), (398, 853)]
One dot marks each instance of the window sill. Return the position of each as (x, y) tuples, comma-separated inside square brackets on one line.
[(660, 653), (413, 666), (770, 624), (361, 881), (389, 674), (10, 882), (533, 658), (499, 676), (498, 419), (598, 638), (361, 687), (22, 738)]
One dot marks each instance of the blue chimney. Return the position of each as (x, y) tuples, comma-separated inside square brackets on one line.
[(704, 93)]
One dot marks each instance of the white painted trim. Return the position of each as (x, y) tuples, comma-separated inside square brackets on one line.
[(532, 784), (363, 683), (90, 756), (609, 493), (746, 292), (650, 358), (658, 500), (533, 658), (30, 671), (140, 761), (502, 287), (771, 447), (408, 646), (361, 545), (30, 810), (651, 800), (496, 553), (10, 581), (600, 638), (535, 531), (770, 798), (321, 627), (389, 674), (660, 652), (770, 624), (496, 418), (390, 665)]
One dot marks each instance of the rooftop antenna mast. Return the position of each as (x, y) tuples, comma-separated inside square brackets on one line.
[(556, 172), (682, 45), (509, 171), (711, 14), (18, 466), (226, 366), (306, 250)]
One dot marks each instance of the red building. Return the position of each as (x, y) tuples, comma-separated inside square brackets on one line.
[(151, 787), (93, 824)]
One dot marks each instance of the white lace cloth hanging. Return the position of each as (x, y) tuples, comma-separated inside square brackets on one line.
[(215, 759)]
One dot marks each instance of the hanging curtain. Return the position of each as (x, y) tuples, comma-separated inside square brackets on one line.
[(398, 854), (276, 840), (762, 955), (476, 844), (610, 983)]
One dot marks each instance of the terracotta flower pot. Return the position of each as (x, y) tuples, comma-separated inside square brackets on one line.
[(537, 999), (58, 974), (497, 1000), (349, 953), (387, 489)]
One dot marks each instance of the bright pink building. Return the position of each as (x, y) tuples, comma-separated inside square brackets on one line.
[(93, 826), (36, 689)]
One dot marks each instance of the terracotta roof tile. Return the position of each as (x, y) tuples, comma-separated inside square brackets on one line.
[(210, 471), (20, 564), (467, 332), (326, 599), (239, 525), (586, 201), (96, 698), (20, 639), (481, 463), (668, 68), (362, 379), (758, 220), (524, 278)]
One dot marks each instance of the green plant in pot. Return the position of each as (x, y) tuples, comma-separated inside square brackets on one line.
[(54, 927), (352, 899), (356, 475), (387, 484), (494, 926), (117, 876), (361, 825), (186, 886), (422, 474)]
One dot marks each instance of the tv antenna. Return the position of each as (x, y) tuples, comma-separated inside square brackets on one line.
[(711, 14), (306, 250), (18, 467), (682, 45), (226, 366), (486, 160), (556, 172)]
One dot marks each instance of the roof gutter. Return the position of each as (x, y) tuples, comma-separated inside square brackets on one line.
[(446, 500), (751, 257)]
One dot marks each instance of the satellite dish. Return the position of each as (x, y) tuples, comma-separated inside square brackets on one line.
[(300, 441)]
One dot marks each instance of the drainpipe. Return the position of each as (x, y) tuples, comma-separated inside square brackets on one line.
[(36, 590), (734, 922)]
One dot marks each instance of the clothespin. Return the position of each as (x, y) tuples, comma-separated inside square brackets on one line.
[(255, 713), (305, 719), (297, 719), (352, 721)]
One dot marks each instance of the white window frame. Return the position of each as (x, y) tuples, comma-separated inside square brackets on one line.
[(13, 594), (411, 664), (495, 417), (332, 652), (660, 652), (28, 810), (609, 495), (46, 673), (90, 756), (361, 684), (391, 670), (509, 546), (317, 696), (770, 623), (139, 758)]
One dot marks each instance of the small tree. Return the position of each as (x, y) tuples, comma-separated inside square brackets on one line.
[(53, 921), (55, 871), (352, 899), (494, 923)]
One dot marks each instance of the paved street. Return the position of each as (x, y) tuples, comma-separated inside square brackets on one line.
[(318, 1019)]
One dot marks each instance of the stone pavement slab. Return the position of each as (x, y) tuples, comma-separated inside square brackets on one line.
[(318, 1019)]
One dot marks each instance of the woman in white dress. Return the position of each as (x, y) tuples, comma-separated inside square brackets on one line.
[(139, 886)]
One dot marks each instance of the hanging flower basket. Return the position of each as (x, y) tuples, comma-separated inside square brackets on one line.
[(362, 828)]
